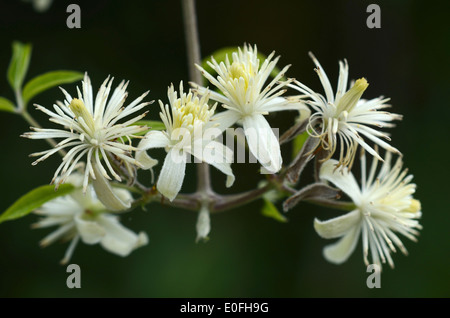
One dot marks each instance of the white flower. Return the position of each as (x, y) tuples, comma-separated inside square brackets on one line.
[(80, 215), (384, 206), (345, 118), (247, 100), (189, 131), (91, 129)]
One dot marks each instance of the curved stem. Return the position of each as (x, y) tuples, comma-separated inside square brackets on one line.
[(226, 202)]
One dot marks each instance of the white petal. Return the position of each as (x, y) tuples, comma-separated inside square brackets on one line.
[(341, 178), (123, 195), (105, 193), (154, 139), (145, 160), (118, 239), (262, 142), (225, 119), (219, 156), (172, 174), (338, 226), (280, 104), (340, 251), (90, 231), (203, 224)]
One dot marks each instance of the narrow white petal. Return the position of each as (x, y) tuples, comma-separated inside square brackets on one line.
[(145, 160), (262, 142), (203, 224), (90, 231), (172, 174), (118, 239), (339, 252), (225, 119), (341, 178), (280, 104), (219, 156), (154, 139), (338, 226), (106, 194)]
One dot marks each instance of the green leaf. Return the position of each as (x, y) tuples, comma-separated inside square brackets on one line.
[(48, 80), (221, 54), (298, 143), (21, 54), (151, 124), (6, 105), (270, 210), (33, 200)]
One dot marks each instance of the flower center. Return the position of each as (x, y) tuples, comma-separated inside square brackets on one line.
[(238, 70), (190, 113)]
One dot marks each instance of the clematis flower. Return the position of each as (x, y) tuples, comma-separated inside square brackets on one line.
[(384, 207), (82, 216), (247, 99), (345, 118), (91, 129), (189, 131)]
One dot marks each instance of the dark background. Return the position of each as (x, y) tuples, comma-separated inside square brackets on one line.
[(248, 255)]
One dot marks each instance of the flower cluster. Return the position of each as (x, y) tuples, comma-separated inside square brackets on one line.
[(98, 151)]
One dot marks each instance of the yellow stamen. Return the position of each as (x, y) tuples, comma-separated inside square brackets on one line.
[(237, 70), (415, 206), (349, 100), (79, 109)]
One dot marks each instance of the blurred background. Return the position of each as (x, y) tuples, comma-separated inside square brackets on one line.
[(248, 255)]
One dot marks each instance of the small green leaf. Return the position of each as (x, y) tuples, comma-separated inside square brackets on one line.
[(33, 200), (151, 124), (298, 143), (270, 210), (221, 54), (48, 80), (6, 105), (18, 67)]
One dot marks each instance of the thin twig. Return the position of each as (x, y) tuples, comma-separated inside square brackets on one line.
[(193, 57)]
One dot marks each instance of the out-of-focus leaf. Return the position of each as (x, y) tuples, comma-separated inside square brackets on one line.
[(33, 200), (298, 142), (48, 80), (6, 105), (270, 210), (21, 54)]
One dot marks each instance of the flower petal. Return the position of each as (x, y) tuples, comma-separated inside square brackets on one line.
[(225, 119), (338, 226), (341, 178), (203, 226), (340, 251), (172, 174), (118, 239), (90, 231), (280, 103), (219, 156), (106, 194), (262, 142), (154, 139), (145, 160)]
